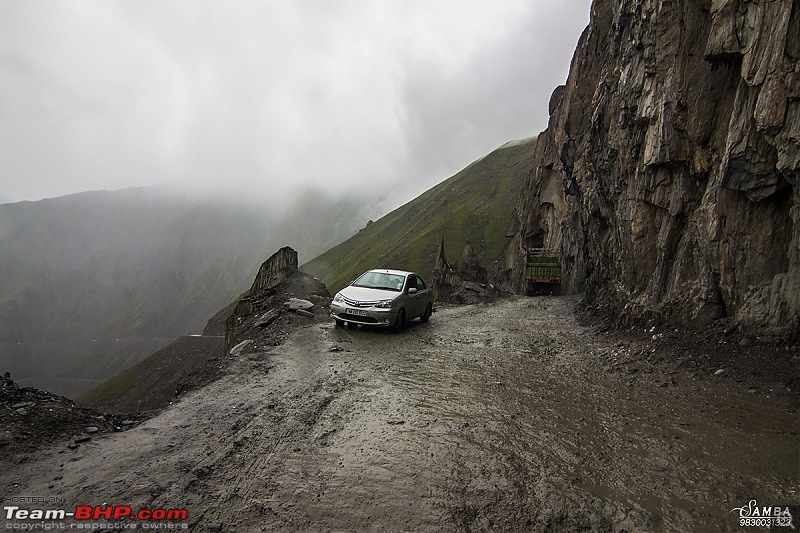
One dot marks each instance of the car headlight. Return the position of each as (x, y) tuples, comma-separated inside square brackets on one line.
[(338, 297), (384, 304)]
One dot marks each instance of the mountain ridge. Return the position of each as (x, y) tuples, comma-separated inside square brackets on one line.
[(472, 205)]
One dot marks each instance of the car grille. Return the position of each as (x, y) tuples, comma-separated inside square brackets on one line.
[(358, 303)]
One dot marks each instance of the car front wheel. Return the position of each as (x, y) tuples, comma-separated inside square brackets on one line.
[(400, 321), (427, 314)]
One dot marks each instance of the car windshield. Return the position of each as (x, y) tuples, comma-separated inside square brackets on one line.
[(381, 280)]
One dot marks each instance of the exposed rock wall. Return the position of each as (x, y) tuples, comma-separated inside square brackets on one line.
[(275, 270), (465, 285), (449, 279), (445, 275), (668, 174)]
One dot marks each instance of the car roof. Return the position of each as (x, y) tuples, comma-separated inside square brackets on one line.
[(392, 271)]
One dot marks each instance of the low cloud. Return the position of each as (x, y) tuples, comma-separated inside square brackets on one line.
[(265, 98)]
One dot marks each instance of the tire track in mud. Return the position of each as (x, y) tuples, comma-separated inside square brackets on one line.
[(245, 481)]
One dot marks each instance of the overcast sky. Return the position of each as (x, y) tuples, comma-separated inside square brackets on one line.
[(265, 96)]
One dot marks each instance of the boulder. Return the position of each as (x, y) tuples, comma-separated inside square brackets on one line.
[(268, 317), (295, 304)]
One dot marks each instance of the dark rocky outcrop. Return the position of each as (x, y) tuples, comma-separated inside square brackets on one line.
[(278, 286), (669, 172), (445, 276), (275, 270), (465, 285)]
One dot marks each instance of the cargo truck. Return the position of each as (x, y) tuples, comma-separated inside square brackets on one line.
[(542, 271)]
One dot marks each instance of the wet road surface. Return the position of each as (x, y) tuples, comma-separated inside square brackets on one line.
[(491, 417)]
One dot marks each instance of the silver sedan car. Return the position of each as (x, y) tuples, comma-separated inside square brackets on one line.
[(388, 298)]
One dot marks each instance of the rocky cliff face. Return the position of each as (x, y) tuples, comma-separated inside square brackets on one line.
[(669, 172)]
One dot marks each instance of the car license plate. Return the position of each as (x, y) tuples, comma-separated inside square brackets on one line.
[(359, 312)]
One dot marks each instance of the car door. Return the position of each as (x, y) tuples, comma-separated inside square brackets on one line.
[(417, 300), (411, 297), (425, 295)]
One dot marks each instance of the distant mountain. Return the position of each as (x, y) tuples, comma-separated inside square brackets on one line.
[(94, 282), (475, 205)]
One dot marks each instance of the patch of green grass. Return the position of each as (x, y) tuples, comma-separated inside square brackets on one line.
[(473, 205)]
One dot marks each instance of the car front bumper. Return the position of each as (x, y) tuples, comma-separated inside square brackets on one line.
[(368, 316)]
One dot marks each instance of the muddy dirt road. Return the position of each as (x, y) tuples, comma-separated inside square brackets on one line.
[(487, 418)]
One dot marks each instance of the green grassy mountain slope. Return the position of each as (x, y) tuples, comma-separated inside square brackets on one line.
[(473, 205)]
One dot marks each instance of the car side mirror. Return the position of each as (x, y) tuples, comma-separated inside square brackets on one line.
[(412, 290)]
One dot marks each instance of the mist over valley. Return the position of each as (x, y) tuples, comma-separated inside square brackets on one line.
[(95, 281)]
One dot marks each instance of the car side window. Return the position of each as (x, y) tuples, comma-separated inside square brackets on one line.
[(420, 284), (412, 282)]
